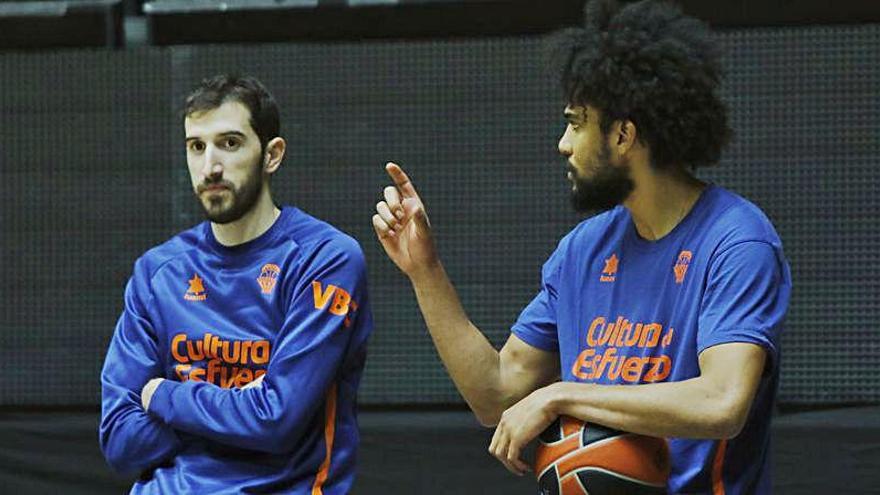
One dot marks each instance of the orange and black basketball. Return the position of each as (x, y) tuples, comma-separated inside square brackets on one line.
[(575, 458)]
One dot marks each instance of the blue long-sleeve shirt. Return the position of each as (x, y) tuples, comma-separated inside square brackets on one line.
[(291, 305)]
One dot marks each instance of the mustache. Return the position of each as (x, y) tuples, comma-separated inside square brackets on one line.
[(210, 183)]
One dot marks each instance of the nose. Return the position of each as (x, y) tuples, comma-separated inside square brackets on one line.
[(212, 165), (564, 145)]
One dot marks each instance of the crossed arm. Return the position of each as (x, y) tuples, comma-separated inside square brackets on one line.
[(713, 405), (270, 417), (132, 441)]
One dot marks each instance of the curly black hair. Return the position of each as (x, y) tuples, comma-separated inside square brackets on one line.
[(649, 63)]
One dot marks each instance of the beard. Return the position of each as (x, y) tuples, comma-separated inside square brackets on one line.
[(222, 210), (608, 187)]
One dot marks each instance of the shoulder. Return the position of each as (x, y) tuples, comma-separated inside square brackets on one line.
[(592, 231), (743, 240), (157, 257), (319, 241), (733, 220)]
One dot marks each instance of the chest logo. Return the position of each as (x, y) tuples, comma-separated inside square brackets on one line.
[(609, 273), (268, 277), (196, 291), (681, 265)]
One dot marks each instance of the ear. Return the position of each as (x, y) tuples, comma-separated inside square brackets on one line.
[(273, 155), (623, 136)]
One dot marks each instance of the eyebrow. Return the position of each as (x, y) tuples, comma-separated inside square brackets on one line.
[(572, 116), (223, 134)]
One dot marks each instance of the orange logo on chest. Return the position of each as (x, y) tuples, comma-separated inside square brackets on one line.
[(681, 265), (268, 277), (196, 291), (609, 273)]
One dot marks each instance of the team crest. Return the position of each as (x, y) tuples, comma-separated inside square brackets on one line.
[(681, 266), (268, 277)]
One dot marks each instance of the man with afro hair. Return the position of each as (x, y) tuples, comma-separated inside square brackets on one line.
[(659, 315)]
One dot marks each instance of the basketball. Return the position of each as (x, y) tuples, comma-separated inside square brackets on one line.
[(575, 458)]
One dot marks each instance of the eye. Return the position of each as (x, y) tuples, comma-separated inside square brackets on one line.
[(230, 143), (197, 146)]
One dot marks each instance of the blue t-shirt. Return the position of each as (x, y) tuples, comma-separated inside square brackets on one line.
[(291, 305), (622, 310)]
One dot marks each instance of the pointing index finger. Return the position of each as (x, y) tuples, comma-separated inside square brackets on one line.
[(401, 180)]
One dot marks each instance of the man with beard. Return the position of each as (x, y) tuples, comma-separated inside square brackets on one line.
[(235, 364), (661, 315)]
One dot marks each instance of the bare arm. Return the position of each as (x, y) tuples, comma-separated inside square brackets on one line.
[(490, 381), (715, 404)]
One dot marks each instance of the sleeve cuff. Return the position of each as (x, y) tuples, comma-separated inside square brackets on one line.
[(743, 336), (160, 404), (535, 340)]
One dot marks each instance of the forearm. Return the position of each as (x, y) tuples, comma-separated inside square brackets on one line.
[(471, 360), (690, 409), (130, 439), (133, 442), (258, 419)]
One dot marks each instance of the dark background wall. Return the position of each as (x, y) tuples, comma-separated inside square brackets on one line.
[(93, 174)]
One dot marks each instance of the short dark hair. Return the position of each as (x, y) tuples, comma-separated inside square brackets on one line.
[(249, 91), (649, 63)]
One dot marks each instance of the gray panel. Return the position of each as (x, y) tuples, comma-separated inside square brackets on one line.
[(84, 191), (804, 106)]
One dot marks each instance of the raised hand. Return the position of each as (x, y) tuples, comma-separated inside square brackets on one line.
[(402, 226)]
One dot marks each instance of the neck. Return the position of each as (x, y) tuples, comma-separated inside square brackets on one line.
[(661, 200), (250, 226)]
